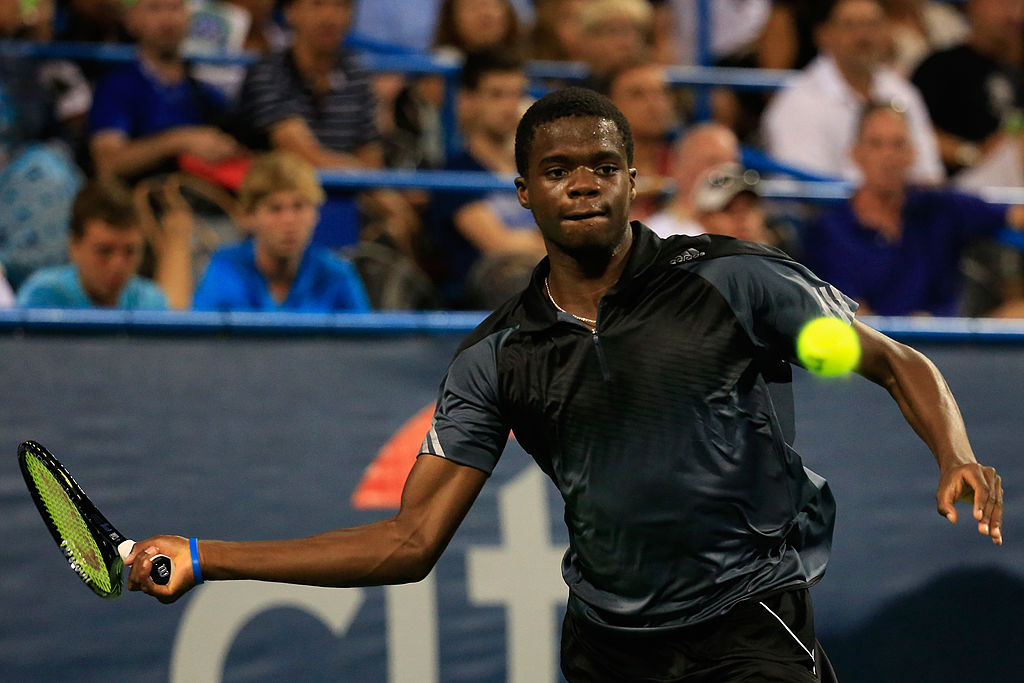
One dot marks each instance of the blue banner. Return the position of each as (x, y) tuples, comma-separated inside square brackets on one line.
[(249, 437)]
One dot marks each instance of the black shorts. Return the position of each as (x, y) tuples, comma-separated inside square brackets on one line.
[(766, 640)]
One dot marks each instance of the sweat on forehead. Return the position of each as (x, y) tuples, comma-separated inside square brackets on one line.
[(568, 103)]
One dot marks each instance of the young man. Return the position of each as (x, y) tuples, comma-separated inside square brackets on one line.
[(278, 270), (694, 529), (147, 113), (468, 227), (314, 100), (810, 123), (106, 251)]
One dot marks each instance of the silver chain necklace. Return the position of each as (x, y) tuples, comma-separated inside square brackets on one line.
[(547, 288)]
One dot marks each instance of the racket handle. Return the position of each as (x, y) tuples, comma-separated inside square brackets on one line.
[(162, 567)]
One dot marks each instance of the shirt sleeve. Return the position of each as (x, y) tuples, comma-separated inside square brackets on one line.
[(468, 427), (774, 298), (44, 289), (977, 219), (351, 292)]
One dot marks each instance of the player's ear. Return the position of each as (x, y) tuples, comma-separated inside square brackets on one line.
[(632, 184), (522, 194)]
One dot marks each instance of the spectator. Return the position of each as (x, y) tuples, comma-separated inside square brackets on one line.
[(920, 27), (558, 31), (278, 269), (975, 94), (642, 94), (618, 33), (470, 227), (231, 27), (702, 148), (106, 250), (147, 113), (40, 104), (894, 247), (728, 203), (468, 26), (315, 101), (811, 123)]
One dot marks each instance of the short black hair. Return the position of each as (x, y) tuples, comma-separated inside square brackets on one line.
[(480, 64), (562, 104)]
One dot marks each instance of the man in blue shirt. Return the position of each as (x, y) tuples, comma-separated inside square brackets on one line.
[(106, 250), (894, 248), (278, 270), (147, 113)]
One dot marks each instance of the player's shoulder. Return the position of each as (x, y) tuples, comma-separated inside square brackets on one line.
[(688, 251)]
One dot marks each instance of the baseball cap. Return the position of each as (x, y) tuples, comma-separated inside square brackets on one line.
[(722, 184)]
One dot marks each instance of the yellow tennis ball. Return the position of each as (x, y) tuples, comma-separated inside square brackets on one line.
[(828, 347)]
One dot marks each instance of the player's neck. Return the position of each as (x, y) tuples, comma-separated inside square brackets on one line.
[(279, 272), (579, 281)]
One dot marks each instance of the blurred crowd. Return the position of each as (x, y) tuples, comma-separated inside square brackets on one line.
[(164, 181)]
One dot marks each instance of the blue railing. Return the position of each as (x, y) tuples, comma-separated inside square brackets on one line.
[(184, 323)]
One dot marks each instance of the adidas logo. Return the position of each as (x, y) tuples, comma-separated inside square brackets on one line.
[(688, 255)]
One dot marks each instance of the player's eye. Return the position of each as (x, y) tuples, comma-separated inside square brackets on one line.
[(556, 173), (607, 169)]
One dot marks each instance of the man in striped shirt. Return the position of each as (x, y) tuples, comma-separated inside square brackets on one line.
[(315, 101)]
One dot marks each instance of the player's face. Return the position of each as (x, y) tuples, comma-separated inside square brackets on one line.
[(883, 151), (106, 258), (319, 24), (283, 223), (579, 185)]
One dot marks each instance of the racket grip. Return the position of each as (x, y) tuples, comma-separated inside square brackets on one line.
[(162, 567)]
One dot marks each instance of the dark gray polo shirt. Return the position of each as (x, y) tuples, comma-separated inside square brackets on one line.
[(668, 431)]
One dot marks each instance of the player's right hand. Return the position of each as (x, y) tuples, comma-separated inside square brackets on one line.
[(140, 561)]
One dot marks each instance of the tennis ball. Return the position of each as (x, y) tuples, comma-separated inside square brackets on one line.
[(828, 347)]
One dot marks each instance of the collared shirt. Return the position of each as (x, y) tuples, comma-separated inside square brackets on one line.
[(812, 122), (61, 287), (667, 430), (342, 119), (918, 273), (324, 283)]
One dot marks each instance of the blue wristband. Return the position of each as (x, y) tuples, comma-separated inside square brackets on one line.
[(193, 548)]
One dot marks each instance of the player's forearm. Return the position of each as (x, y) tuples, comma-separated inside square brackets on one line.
[(375, 554), (928, 406)]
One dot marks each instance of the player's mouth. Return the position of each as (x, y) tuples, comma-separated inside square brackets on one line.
[(585, 215)]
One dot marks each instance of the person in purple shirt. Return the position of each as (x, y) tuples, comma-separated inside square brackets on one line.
[(278, 269), (148, 112), (893, 247)]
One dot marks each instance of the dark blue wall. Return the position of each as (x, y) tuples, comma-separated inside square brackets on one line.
[(250, 437)]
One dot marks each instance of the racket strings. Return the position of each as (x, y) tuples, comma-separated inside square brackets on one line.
[(81, 550)]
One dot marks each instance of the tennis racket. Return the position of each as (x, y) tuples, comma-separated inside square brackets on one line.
[(91, 544)]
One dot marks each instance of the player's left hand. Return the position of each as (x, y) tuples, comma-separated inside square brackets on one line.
[(140, 560), (980, 486)]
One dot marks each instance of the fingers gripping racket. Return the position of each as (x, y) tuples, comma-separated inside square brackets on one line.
[(91, 544)]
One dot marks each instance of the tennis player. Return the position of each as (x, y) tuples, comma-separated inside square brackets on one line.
[(649, 379)]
